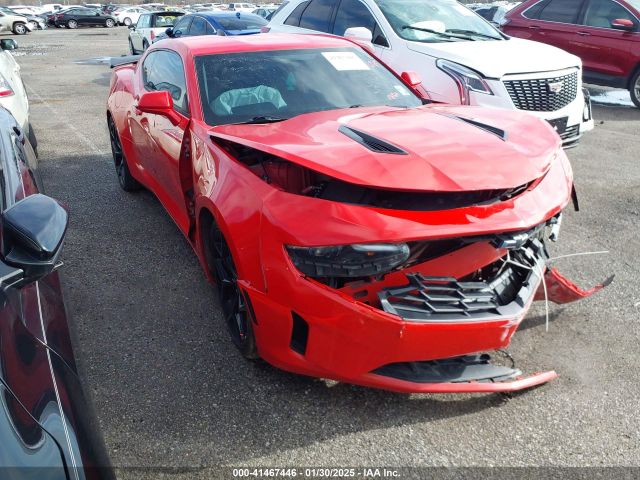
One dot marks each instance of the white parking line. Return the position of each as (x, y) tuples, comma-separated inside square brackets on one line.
[(83, 138)]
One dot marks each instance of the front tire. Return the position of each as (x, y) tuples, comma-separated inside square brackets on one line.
[(20, 28), (125, 179), (131, 49), (233, 301), (72, 24), (127, 22), (145, 45), (110, 23), (635, 89)]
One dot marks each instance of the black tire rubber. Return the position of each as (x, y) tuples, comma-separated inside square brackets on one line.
[(125, 179), (145, 45), (109, 23), (131, 49), (233, 301), (634, 88), (72, 24), (20, 28)]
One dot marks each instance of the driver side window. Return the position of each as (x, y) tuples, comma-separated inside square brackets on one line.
[(601, 13), (163, 70)]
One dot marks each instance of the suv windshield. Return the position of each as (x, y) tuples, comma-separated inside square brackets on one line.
[(436, 21), (260, 87)]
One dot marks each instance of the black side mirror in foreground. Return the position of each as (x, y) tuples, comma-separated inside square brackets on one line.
[(8, 44), (33, 232)]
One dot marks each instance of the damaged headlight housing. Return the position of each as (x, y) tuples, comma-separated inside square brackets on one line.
[(349, 261)]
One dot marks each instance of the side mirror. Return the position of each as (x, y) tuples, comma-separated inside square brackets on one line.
[(159, 103), (359, 34), (33, 231), (411, 78), (8, 44), (169, 32), (132, 26), (623, 24)]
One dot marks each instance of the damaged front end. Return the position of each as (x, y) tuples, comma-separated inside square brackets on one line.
[(506, 276)]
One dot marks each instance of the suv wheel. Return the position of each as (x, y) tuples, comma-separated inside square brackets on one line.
[(635, 88), (127, 22), (19, 28)]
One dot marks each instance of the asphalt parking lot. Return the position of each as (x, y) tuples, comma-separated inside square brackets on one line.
[(171, 391)]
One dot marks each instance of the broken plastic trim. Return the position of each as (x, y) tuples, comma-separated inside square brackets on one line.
[(467, 368), (507, 294)]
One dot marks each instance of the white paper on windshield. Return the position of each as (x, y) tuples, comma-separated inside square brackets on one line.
[(401, 90), (344, 61)]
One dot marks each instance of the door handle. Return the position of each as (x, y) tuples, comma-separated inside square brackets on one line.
[(584, 34)]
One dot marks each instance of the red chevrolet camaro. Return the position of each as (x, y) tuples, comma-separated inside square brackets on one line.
[(354, 231)]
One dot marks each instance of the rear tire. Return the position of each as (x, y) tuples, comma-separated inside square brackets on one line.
[(72, 24), (635, 88), (233, 301), (110, 23), (125, 179), (20, 28), (127, 22)]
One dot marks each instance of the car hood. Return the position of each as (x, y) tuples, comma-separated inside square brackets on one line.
[(443, 152), (495, 59)]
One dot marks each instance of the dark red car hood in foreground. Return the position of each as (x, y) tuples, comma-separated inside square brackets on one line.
[(477, 157)]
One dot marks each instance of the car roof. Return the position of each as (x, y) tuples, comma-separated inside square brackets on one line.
[(205, 45), (215, 15)]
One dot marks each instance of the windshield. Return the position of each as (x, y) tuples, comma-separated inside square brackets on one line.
[(436, 21), (277, 85), (243, 23)]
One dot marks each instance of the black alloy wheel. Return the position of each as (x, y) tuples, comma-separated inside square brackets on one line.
[(237, 314), (125, 179)]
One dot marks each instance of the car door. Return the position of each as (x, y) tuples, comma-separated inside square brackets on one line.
[(354, 13), (181, 27), (602, 48), (198, 27), (161, 149), (318, 15), (136, 34), (554, 22)]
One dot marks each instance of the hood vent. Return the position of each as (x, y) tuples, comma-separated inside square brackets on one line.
[(489, 128), (370, 142)]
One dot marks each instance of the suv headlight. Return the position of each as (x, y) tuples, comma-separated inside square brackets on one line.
[(466, 79), (349, 261)]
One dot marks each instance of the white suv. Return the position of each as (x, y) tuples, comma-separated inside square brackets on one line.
[(460, 57)]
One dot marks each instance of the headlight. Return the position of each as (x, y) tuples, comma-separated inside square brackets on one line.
[(466, 79), (350, 261)]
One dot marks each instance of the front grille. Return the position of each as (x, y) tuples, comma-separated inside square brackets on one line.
[(538, 95), (570, 132), (505, 290)]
